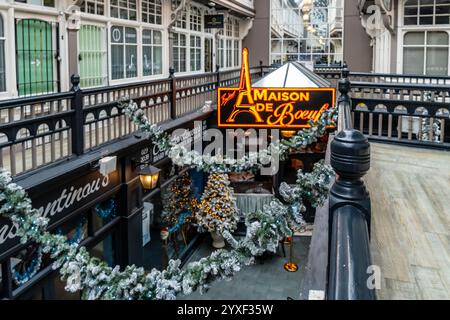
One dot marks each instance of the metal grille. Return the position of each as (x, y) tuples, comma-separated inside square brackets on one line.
[(92, 58), (36, 57)]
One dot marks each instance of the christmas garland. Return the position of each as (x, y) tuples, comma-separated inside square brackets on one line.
[(220, 164), (97, 280)]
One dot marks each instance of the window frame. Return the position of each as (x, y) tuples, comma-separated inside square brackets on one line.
[(4, 39), (418, 15), (425, 47), (124, 44), (403, 29), (152, 45)]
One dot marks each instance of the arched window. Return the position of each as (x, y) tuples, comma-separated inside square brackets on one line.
[(195, 18), (152, 11), (426, 52), (426, 12), (2, 56)]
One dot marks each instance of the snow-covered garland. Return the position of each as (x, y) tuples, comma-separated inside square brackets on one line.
[(253, 161), (97, 280)]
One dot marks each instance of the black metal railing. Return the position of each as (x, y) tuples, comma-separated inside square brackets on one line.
[(415, 114), (339, 259), (405, 109), (40, 130)]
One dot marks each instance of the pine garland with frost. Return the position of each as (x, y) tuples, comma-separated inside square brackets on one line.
[(96, 280)]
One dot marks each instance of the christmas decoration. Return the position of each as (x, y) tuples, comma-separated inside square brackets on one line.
[(217, 209), (312, 187), (106, 209), (178, 205), (251, 162), (97, 280), (31, 263)]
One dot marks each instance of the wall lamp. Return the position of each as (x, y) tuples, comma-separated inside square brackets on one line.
[(148, 175)]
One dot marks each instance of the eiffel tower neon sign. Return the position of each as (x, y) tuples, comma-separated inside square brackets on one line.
[(282, 108)]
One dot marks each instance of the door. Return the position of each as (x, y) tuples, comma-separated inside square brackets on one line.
[(36, 53), (208, 55), (92, 56)]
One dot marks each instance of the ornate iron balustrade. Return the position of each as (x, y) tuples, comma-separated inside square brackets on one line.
[(41, 130), (402, 113)]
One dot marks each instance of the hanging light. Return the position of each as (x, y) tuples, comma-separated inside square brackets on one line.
[(149, 177)]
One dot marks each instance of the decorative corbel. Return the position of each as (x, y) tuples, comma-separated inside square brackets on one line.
[(183, 4)]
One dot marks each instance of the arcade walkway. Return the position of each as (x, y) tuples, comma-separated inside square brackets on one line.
[(410, 193)]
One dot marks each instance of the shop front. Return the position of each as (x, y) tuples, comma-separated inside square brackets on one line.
[(86, 209), (117, 217)]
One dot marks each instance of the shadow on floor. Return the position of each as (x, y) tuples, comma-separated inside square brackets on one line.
[(267, 281)]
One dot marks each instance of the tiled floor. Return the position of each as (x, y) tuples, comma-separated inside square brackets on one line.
[(410, 193), (267, 281)]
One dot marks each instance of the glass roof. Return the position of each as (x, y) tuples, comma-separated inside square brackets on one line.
[(292, 75)]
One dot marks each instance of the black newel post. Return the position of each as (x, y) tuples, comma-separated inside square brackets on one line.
[(173, 98), (218, 76), (261, 67), (349, 218), (344, 101), (77, 117)]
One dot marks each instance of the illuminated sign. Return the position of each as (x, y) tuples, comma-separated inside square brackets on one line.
[(277, 108)]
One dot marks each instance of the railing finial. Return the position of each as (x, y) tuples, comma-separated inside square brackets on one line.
[(171, 72), (75, 80)]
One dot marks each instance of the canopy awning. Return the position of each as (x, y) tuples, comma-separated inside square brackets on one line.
[(292, 75)]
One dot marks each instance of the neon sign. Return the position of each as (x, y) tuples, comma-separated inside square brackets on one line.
[(275, 108)]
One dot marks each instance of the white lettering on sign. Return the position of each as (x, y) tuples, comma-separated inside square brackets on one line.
[(67, 198)]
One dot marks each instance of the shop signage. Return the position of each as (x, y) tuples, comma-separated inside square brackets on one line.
[(61, 200), (272, 108), (215, 21)]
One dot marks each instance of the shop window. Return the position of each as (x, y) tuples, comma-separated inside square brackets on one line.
[(103, 214), (152, 52), (46, 3), (104, 250), (35, 57), (93, 7), (26, 264), (76, 230), (124, 9), (179, 52), (152, 11), (195, 18), (426, 12), (92, 56), (2, 56), (123, 52), (59, 291), (426, 53), (196, 53)]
